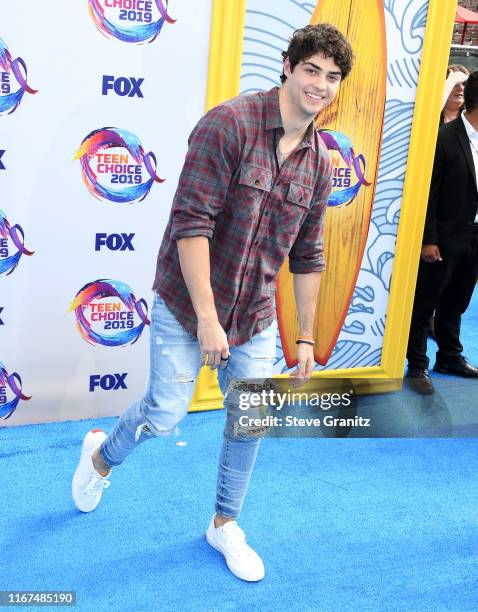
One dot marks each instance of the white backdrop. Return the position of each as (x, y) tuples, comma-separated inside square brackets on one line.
[(41, 190)]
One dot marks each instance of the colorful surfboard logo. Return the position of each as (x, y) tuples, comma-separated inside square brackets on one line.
[(108, 314), (113, 157), (132, 21), (13, 81), (12, 245), (10, 392), (348, 173)]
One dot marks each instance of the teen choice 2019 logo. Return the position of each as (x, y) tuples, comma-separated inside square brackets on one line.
[(348, 173), (13, 81), (107, 313), (12, 245), (133, 21), (113, 157), (10, 392)]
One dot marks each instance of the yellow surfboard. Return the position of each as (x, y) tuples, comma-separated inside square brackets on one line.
[(353, 133)]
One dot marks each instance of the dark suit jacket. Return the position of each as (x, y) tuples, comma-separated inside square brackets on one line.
[(453, 198)]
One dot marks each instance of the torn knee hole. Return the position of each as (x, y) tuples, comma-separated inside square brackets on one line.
[(142, 429), (145, 429)]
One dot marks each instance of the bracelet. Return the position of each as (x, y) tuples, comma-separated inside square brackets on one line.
[(304, 341)]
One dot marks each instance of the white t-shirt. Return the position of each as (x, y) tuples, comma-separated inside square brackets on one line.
[(473, 139)]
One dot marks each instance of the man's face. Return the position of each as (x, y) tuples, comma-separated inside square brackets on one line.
[(456, 96), (313, 84)]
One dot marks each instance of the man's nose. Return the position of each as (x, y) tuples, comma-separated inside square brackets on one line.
[(320, 81)]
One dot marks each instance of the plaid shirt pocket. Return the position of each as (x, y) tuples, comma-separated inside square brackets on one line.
[(295, 208), (254, 186), (256, 177)]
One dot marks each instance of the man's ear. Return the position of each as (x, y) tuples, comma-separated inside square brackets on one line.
[(287, 70)]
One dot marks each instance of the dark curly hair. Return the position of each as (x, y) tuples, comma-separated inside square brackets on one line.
[(322, 38), (471, 92)]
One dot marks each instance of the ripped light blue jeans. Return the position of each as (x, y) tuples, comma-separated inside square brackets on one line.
[(175, 363)]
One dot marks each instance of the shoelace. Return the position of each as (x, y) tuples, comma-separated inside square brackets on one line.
[(95, 485), (235, 538)]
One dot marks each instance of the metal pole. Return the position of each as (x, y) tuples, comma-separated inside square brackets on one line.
[(465, 47)]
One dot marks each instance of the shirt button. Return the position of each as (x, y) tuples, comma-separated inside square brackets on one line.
[(256, 182)]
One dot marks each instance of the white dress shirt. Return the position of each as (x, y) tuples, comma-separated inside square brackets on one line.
[(473, 139)]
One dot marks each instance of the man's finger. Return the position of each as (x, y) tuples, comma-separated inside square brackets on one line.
[(309, 368), (296, 378), (215, 359), (224, 360), (207, 359), (294, 382), (302, 368)]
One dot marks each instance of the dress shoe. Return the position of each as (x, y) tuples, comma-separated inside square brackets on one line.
[(420, 381), (459, 367)]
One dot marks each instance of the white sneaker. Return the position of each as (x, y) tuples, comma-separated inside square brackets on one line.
[(241, 559), (87, 485)]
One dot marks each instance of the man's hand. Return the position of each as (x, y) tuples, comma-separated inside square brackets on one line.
[(213, 343), (305, 357), (430, 253), (457, 77)]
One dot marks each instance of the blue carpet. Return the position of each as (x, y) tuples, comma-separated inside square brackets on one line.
[(342, 524)]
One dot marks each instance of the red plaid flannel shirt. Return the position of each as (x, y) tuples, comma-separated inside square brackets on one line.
[(254, 213)]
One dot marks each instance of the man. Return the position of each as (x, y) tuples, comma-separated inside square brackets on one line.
[(253, 189), (449, 258)]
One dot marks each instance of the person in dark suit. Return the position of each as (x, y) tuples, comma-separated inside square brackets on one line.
[(448, 268)]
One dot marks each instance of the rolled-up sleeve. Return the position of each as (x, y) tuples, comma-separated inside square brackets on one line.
[(307, 252), (213, 155)]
